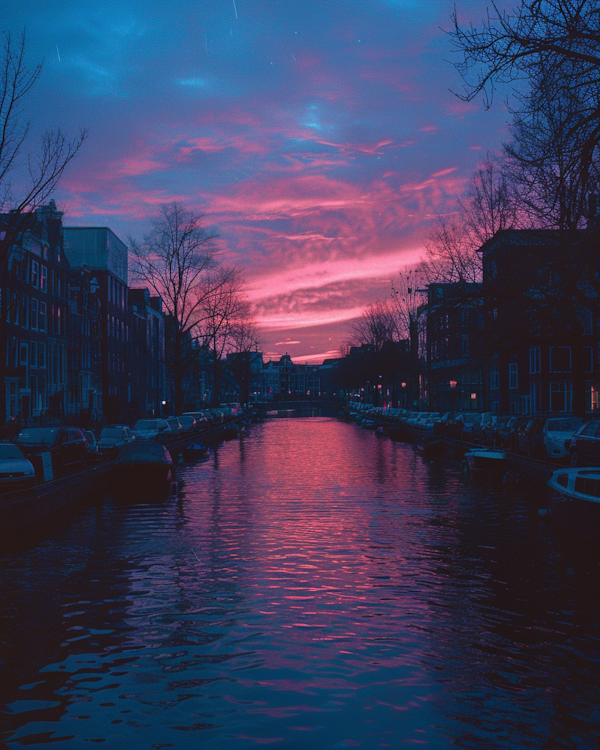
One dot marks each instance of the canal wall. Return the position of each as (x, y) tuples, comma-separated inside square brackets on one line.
[(29, 508)]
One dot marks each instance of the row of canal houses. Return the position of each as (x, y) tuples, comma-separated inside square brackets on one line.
[(526, 339), (77, 339)]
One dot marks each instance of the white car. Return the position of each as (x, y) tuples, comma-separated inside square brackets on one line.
[(558, 432), (150, 429), (16, 472)]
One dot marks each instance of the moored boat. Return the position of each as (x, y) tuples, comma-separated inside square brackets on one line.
[(431, 447), (489, 461), (195, 450), (577, 484), (143, 468), (576, 500)]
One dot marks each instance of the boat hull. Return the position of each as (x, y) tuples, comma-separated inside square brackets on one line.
[(486, 461)]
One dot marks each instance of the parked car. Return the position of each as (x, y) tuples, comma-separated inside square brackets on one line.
[(530, 436), (481, 421), (92, 445), (16, 471), (584, 449), (468, 419), (440, 426), (175, 425), (67, 446), (203, 419), (489, 430), (112, 439), (506, 430), (188, 423), (150, 429), (556, 435)]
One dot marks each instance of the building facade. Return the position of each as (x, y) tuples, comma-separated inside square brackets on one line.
[(34, 326), (102, 251)]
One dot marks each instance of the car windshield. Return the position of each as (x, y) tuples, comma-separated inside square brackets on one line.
[(9, 450), (146, 424), (111, 432), (564, 425), (186, 421), (38, 436)]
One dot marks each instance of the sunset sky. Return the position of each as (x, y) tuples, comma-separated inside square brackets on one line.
[(320, 138)]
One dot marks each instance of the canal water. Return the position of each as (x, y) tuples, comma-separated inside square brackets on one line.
[(314, 585)]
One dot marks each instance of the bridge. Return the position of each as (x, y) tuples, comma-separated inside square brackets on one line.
[(313, 408)]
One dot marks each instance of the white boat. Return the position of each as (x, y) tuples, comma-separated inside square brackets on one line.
[(577, 484), (485, 460), (575, 505)]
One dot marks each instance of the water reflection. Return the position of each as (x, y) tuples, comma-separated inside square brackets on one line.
[(314, 584)]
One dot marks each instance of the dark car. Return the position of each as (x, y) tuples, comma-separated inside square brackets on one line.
[(67, 446), (585, 445), (440, 426), (482, 421), (112, 439), (188, 423), (16, 471), (506, 430), (530, 436)]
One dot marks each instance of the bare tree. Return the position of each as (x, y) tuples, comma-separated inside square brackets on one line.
[(27, 178), (376, 325), (176, 260), (489, 206), (224, 312), (242, 349), (550, 51), (509, 44)]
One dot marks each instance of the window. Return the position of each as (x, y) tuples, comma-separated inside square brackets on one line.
[(58, 319), (513, 375), (35, 274), (15, 308), (465, 345), (33, 356), (560, 359), (41, 355), (591, 399), (24, 354), (42, 316), (43, 278), (588, 359), (535, 359), (33, 314), (586, 321), (12, 353), (561, 394), (24, 310), (494, 376)]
